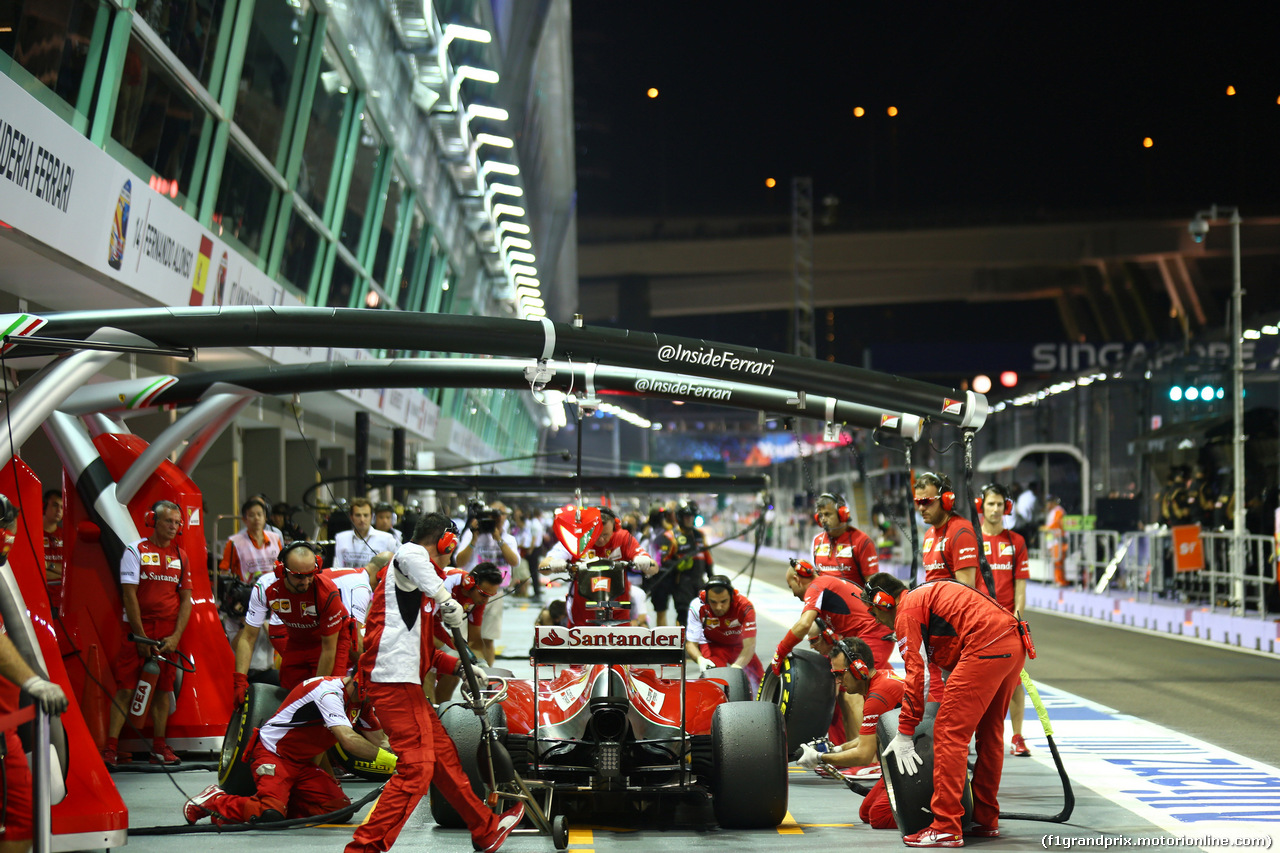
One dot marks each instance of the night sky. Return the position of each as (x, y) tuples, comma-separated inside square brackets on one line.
[(1007, 111)]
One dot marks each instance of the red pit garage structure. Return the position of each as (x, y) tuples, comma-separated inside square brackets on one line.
[(111, 478)]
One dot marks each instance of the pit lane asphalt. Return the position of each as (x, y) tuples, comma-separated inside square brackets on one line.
[(1224, 697)]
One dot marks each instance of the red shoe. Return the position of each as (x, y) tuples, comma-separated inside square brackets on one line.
[(162, 754), (112, 757), (194, 808), (977, 830), (507, 821), (1018, 746), (930, 837)]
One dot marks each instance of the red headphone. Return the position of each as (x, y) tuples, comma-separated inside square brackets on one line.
[(468, 581), (149, 517), (803, 568), (943, 484), (876, 597), (448, 541), (842, 507), (294, 546), (860, 669), (999, 490)]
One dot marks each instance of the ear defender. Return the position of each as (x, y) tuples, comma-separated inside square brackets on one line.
[(842, 507), (804, 568), (448, 541)]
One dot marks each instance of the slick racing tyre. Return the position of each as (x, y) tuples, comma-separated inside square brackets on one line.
[(749, 765), (235, 776), (737, 687), (464, 729), (911, 795), (805, 693)]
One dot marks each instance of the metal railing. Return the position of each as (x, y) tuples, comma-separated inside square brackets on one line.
[(1143, 563)]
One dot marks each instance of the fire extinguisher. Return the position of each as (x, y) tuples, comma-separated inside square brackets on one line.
[(142, 696)]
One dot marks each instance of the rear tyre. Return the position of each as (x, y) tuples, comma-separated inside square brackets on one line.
[(805, 693), (737, 688), (235, 776), (749, 765), (464, 729)]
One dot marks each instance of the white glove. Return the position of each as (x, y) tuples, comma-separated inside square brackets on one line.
[(645, 565), (904, 752), (481, 676), (50, 696), (452, 614), (554, 565), (810, 758), (736, 665), (705, 664)]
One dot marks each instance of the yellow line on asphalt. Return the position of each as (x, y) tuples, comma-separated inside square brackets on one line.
[(789, 826), (581, 836)]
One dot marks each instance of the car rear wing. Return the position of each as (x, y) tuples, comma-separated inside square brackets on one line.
[(609, 644)]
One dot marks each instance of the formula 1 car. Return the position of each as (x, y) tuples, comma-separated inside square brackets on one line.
[(610, 724)]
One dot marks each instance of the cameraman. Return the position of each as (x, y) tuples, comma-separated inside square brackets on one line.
[(487, 540)]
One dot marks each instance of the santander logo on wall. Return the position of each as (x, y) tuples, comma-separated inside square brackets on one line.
[(606, 637)]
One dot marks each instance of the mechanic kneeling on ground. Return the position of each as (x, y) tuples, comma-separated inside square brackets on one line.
[(721, 630), (959, 630), (315, 715), (854, 669)]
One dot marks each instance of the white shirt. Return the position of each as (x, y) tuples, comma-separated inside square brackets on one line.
[(398, 654), (487, 549), (1024, 508), (351, 551)]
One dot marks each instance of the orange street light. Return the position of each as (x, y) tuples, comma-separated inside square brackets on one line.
[(652, 93), (859, 112), (770, 183), (1147, 142), (1231, 90), (893, 111)]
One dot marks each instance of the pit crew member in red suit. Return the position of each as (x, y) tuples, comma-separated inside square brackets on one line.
[(855, 672), (356, 593), (399, 651), (610, 543), (155, 583), (314, 620), (839, 604), (317, 714), (1007, 556), (950, 547), (720, 630), (471, 590), (53, 547), (842, 549), (966, 633), (15, 834)]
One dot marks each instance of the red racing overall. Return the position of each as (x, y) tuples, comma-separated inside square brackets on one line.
[(962, 630)]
